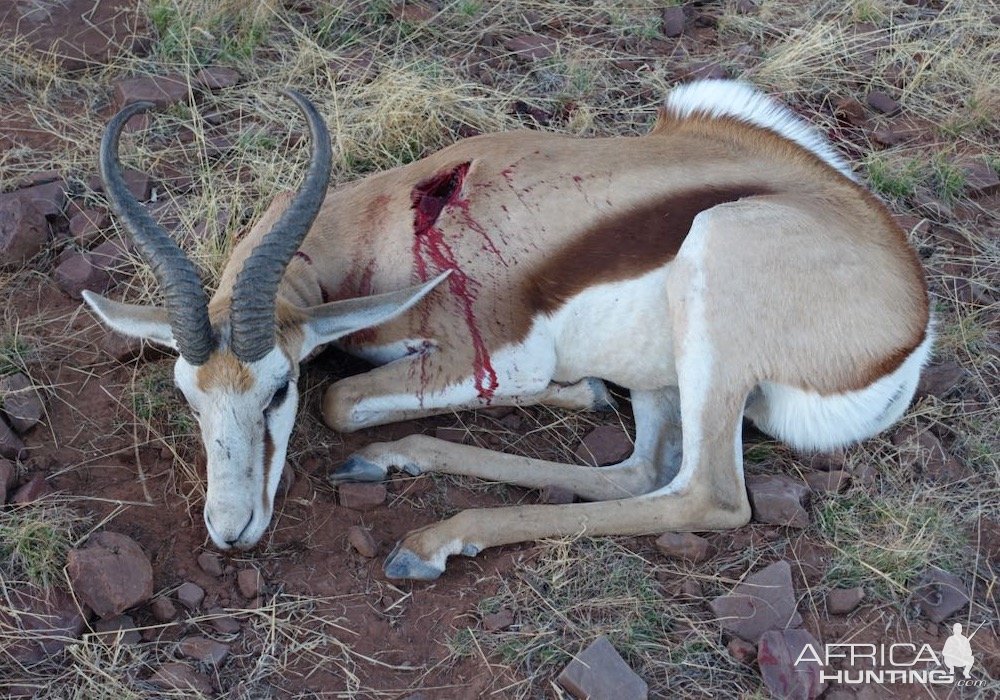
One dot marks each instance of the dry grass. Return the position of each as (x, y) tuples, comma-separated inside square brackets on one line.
[(394, 91)]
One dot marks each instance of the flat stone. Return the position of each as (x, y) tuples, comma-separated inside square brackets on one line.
[(980, 178), (605, 444), (361, 496), (828, 482), (78, 273), (684, 545), (778, 500), (210, 563), (673, 21), (531, 47), (87, 224), (742, 651), (763, 601), (223, 622), (20, 402), (600, 672), (881, 102), (31, 491), (498, 621), (190, 595), (411, 11), (702, 70), (217, 77), (203, 649), (23, 231), (362, 541), (118, 629), (120, 348), (50, 621), (163, 609), (887, 136), (140, 184), (850, 110), (840, 601), (825, 461), (178, 676), (928, 457), (11, 446), (8, 473), (777, 652), (940, 594), (110, 574), (940, 380), (250, 583), (556, 495), (161, 90)]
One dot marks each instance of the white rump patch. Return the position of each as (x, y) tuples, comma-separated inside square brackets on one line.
[(730, 98)]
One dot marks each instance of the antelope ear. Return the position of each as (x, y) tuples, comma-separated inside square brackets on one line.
[(327, 322), (147, 322)]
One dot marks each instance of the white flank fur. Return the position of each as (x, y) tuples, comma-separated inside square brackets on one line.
[(729, 98)]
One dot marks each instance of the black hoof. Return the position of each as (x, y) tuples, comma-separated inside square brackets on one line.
[(357, 469), (403, 563)]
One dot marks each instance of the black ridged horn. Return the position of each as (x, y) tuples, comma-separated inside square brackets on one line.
[(187, 305), (256, 287)]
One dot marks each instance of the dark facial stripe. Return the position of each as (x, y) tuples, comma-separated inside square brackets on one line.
[(268, 455), (626, 245)]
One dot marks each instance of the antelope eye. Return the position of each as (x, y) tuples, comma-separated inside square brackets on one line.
[(279, 397)]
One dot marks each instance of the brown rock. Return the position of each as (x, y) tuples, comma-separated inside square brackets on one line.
[(940, 379), (498, 621), (49, 199), (673, 21), (217, 77), (49, 622), (163, 609), (203, 649), (250, 583), (11, 446), (928, 456), (32, 491), (210, 563), (683, 545), (778, 500), (703, 70), (840, 601), (828, 482), (881, 102), (742, 651), (826, 461), (20, 402), (78, 273), (110, 574), (524, 109), (531, 47), (8, 473), (764, 601), (887, 136), (121, 348), (190, 595), (362, 541), (161, 90), (361, 496), (177, 676), (980, 178), (692, 588), (119, 629), (556, 495), (223, 622), (87, 224), (940, 593), (600, 672), (605, 444), (23, 231), (850, 111), (412, 12), (777, 653)]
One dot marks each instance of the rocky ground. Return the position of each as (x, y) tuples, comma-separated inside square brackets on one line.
[(109, 587)]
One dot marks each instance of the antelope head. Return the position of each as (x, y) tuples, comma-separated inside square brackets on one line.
[(238, 369)]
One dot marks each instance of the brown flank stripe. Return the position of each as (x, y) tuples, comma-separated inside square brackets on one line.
[(625, 246)]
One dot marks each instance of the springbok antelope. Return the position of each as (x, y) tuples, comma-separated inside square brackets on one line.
[(725, 265)]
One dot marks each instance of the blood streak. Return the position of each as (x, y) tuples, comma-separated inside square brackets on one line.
[(431, 250)]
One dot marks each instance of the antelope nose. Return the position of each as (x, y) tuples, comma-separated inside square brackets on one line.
[(236, 539), (225, 539)]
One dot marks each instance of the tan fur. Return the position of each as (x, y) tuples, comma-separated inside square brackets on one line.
[(224, 371)]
